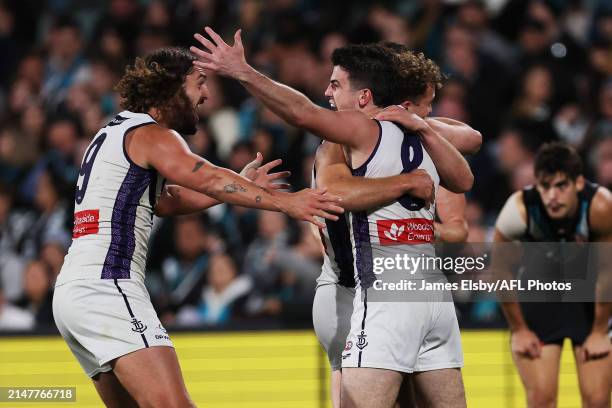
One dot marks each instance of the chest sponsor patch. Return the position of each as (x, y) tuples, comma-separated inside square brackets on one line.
[(86, 222), (406, 231)]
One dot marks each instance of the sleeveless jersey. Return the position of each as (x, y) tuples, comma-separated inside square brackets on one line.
[(404, 226), (338, 257), (114, 204), (541, 228)]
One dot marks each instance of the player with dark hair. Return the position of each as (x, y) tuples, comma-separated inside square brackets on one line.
[(100, 304), (368, 80), (562, 207)]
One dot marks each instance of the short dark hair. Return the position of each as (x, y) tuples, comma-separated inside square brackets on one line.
[(371, 66), (155, 79), (557, 157), (416, 70)]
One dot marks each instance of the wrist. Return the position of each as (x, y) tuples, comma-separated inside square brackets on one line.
[(244, 72)]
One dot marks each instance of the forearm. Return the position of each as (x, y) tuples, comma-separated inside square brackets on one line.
[(227, 186), (453, 169), (464, 138), (603, 312), (360, 194), (514, 316), (178, 200), (452, 232), (284, 101)]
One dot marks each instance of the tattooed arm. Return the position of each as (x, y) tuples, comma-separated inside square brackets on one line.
[(165, 151)]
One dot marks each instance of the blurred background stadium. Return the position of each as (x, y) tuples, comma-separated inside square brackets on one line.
[(521, 72)]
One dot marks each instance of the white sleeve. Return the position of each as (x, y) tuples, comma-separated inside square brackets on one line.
[(510, 222)]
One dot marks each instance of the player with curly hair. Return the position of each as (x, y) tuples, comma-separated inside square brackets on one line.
[(100, 304), (386, 340)]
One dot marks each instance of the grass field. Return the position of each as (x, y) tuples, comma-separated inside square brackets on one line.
[(266, 369)]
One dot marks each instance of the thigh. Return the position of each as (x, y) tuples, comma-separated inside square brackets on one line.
[(153, 377), (540, 376), (439, 388), (594, 378), (112, 393), (369, 387), (331, 316)]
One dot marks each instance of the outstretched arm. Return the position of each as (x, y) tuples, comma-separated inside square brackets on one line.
[(178, 200), (357, 130), (361, 193), (464, 138), (167, 152)]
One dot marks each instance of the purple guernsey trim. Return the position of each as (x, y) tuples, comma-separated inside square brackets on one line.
[(363, 246), (123, 239)]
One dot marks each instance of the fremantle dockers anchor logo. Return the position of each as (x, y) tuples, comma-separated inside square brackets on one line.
[(361, 341), (138, 326)]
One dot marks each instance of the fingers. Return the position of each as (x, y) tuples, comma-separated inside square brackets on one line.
[(326, 215), (238, 37), (206, 65), (204, 41), (270, 165), (315, 222), (333, 208), (255, 163), (215, 37), (279, 175), (280, 186)]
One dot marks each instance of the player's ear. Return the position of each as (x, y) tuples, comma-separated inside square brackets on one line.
[(365, 97), (579, 183), (408, 105)]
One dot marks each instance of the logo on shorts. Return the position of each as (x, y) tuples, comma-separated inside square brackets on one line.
[(138, 326), (160, 327), (349, 345), (361, 341)]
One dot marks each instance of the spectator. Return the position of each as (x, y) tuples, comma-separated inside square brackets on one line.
[(38, 293), (12, 317), (224, 297)]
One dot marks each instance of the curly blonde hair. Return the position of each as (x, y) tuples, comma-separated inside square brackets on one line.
[(153, 81), (417, 71)]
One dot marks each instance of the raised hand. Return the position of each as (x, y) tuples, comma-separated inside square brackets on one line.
[(308, 204), (218, 56), (259, 175)]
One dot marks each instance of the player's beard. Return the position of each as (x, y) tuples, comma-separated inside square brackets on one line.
[(181, 114)]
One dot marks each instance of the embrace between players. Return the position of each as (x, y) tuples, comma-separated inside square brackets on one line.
[(382, 160)]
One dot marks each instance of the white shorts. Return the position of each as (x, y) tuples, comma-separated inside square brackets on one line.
[(104, 319), (403, 336), (331, 316)]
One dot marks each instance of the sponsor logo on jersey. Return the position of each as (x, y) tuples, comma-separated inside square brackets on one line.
[(405, 231), (349, 345), (86, 223), (139, 327)]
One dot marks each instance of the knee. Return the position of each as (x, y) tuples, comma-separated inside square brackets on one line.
[(541, 398), (596, 400)]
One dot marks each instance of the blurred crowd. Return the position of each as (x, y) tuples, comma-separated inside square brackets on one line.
[(522, 72)]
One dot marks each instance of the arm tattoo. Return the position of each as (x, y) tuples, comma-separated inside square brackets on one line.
[(197, 166), (234, 187)]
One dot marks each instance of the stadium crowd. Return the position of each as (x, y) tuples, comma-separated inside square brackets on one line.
[(522, 72)]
